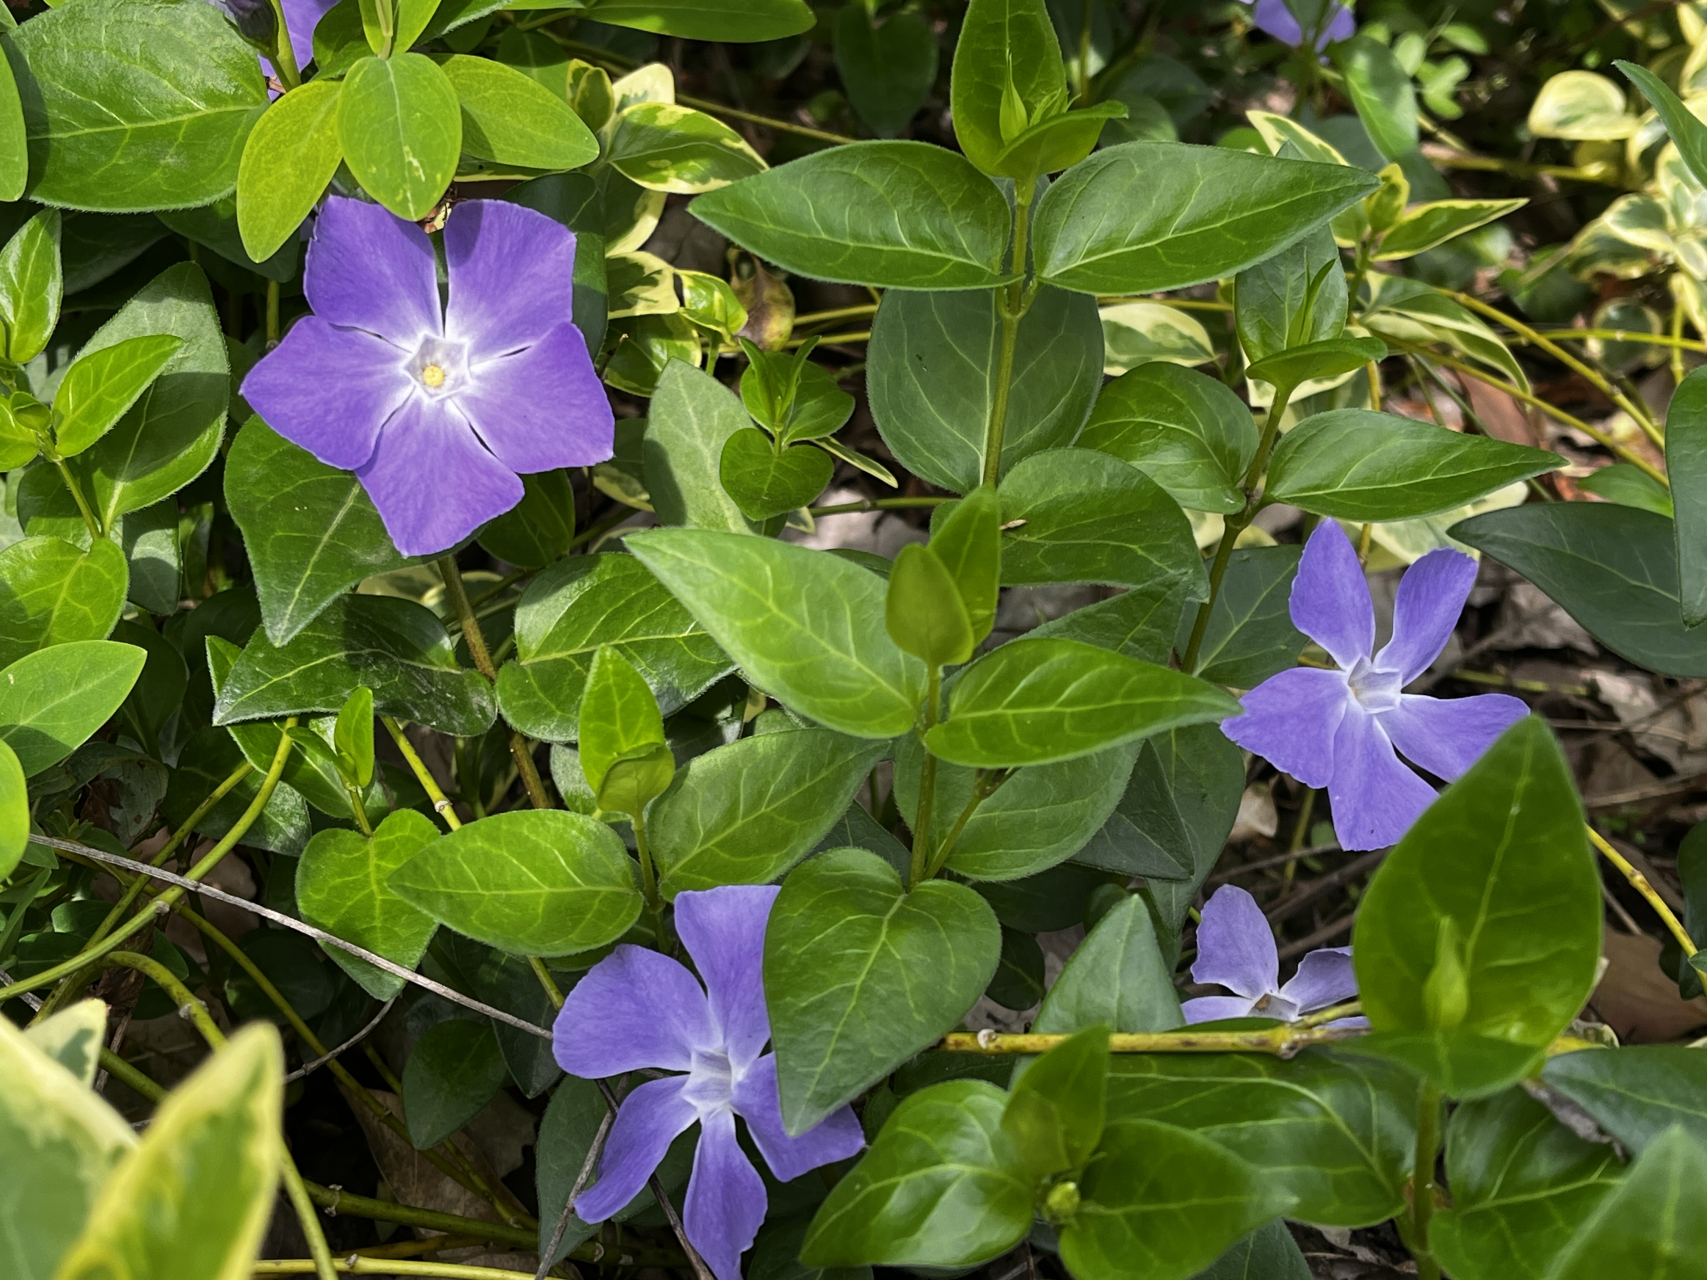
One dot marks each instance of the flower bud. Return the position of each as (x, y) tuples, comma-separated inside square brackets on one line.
[(1062, 1202)]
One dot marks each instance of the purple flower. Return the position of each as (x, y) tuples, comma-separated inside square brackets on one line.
[(437, 411), (637, 1009), (1274, 17), (301, 17), (1338, 729), (1235, 949)]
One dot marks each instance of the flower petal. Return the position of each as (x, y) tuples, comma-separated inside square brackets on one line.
[(726, 1198), (1342, 26), (432, 481), (301, 17), (1276, 19), (542, 407), (329, 390), (724, 931), (1324, 978), (1447, 735), (494, 307), (836, 1137), (372, 270), (1330, 599), (1375, 797), (1290, 721), (635, 1008), (1235, 945), (647, 1123), (1214, 1008), (1430, 598)]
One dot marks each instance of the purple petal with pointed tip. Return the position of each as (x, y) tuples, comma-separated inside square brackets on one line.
[(494, 307), (1430, 598), (329, 390), (725, 1203), (371, 270), (1235, 945), (543, 406), (1375, 797), (1447, 735), (1324, 978), (635, 1008), (1342, 26), (836, 1137), (1330, 599), (1214, 1008), (432, 481), (1290, 720), (724, 931), (648, 1121), (1276, 19), (301, 17)]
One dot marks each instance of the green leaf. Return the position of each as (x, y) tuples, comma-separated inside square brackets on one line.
[(135, 105), (1409, 311), (1427, 226), (310, 530), (52, 593), (539, 529), (1485, 919), (1613, 568), (765, 481), (1292, 299), (352, 737), (14, 142), (1006, 57), (1053, 144), (583, 602), (101, 386), (1143, 217), (170, 435), (729, 20), (194, 1198), (1686, 465), (861, 974), (509, 118), (1355, 464), (14, 811), (968, 541), (692, 420), (74, 1037), (1315, 361), (536, 882), (1033, 701), (1685, 129), (1636, 1093), (289, 158), (1139, 623), (923, 613), (1054, 1115), (452, 1073), (32, 282), (1381, 91), (1162, 1202), (1135, 333), (1250, 636), (1521, 1183), (1626, 483), (1187, 432), (401, 129), (619, 716), (341, 887), (901, 215), (206, 761), (939, 1187), (52, 701), (394, 647), (932, 374), (888, 70), (60, 1140), (1079, 515), (1268, 1253), (1117, 978), (664, 147), (1338, 1135), (1652, 1224), (804, 625), (746, 812)]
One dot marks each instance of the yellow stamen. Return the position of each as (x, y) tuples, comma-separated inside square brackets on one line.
[(433, 376)]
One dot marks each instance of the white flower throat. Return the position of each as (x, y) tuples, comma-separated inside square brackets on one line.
[(439, 366), (1374, 690)]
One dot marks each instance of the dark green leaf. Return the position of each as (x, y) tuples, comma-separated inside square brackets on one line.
[(53, 700), (1268, 1253), (1007, 74), (1139, 623), (1686, 465), (1316, 361), (1653, 1225), (738, 20), (1636, 1093), (1117, 978), (206, 761), (1018, 982), (765, 481), (887, 70), (1250, 635), (1292, 299), (861, 974), (540, 528), (693, 418), (452, 1073)]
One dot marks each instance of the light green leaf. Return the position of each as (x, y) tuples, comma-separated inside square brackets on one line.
[(51, 701), (14, 811), (510, 118), (729, 20), (401, 129), (1686, 466), (1007, 64), (804, 625), (289, 158), (619, 716), (52, 593), (692, 418), (32, 282), (1581, 106), (765, 481), (100, 386), (1317, 362), (536, 882), (1381, 92), (1425, 226), (924, 614), (74, 1037), (1055, 1111), (664, 147), (1135, 333), (1294, 298)]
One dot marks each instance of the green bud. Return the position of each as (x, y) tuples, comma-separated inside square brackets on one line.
[(1446, 991), (1384, 206), (924, 612), (1062, 1202)]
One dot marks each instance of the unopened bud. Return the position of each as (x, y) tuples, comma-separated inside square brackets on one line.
[(1062, 1202)]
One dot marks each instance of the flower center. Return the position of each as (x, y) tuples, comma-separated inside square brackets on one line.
[(711, 1081), (1374, 690), (439, 366)]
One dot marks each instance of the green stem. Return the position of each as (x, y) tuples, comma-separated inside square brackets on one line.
[(1422, 1182), (1012, 309), (649, 881), (919, 869), (988, 782), (83, 507), (283, 56), (876, 504), (547, 983), (441, 805), (1359, 271), (272, 314)]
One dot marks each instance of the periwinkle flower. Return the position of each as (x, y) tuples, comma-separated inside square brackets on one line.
[(639, 1009), (1338, 728), (1277, 19), (438, 411), (1235, 949)]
